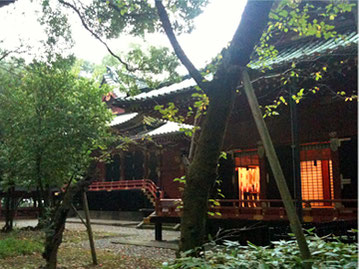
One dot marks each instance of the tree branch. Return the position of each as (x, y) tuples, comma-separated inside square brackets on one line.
[(130, 69), (6, 53), (195, 74), (248, 32)]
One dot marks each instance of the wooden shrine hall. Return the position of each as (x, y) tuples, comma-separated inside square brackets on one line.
[(321, 173)]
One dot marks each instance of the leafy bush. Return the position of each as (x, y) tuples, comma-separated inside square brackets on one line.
[(13, 247), (283, 254)]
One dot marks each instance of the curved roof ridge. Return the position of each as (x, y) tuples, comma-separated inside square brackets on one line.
[(122, 118)]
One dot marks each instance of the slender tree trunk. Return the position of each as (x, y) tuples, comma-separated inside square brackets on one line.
[(44, 206), (43, 199)]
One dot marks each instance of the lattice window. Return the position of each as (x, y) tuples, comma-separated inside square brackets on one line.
[(248, 181), (247, 169), (317, 181)]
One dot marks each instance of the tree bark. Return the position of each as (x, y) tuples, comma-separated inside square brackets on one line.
[(55, 230), (56, 226), (202, 171), (221, 92), (9, 210)]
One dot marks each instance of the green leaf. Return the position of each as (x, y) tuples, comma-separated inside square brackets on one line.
[(283, 13)]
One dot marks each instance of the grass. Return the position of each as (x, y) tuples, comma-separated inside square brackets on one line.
[(22, 250), (13, 247)]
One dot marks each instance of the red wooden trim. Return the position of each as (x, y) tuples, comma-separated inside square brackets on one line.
[(326, 179), (336, 175), (266, 210), (143, 184)]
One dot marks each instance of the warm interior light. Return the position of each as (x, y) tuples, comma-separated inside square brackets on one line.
[(248, 182), (317, 181), (247, 168)]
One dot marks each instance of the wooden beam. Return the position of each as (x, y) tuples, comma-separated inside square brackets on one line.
[(276, 168), (89, 229)]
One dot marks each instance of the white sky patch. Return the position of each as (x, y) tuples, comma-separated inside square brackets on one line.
[(18, 25), (214, 29)]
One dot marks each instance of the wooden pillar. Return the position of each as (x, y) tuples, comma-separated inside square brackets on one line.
[(295, 154), (101, 166), (145, 163), (158, 231), (334, 145), (336, 175), (122, 167), (355, 15), (262, 172), (159, 156)]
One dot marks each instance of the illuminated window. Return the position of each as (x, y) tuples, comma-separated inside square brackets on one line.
[(247, 169), (317, 176)]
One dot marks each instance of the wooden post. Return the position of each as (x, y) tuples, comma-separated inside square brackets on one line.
[(122, 168), (158, 231), (88, 226), (276, 169), (78, 214), (296, 155)]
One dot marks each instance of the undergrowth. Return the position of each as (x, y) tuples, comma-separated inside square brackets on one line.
[(282, 254)]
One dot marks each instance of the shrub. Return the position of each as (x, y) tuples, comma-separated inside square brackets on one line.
[(283, 254), (13, 247)]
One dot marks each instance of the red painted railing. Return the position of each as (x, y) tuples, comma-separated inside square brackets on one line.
[(268, 209), (143, 184)]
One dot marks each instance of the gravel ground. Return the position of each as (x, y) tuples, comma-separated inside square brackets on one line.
[(130, 233), (116, 243), (132, 250)]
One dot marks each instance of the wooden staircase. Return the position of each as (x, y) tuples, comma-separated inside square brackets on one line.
[(147, 186), (149, 196)]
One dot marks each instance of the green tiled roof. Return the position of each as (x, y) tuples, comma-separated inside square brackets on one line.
[(308, 50), (299, 51)]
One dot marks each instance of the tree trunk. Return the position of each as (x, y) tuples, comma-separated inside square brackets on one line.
[(44, 205), (202, 171), (54, 232), (56, 225), (55, 228), (9, 210)]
